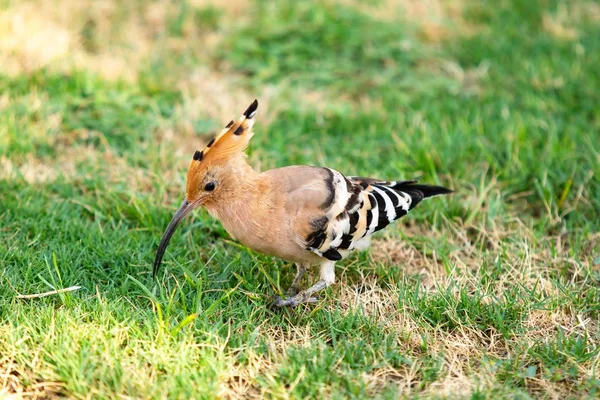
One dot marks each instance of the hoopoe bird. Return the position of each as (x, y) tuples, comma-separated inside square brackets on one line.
[(307, 215)]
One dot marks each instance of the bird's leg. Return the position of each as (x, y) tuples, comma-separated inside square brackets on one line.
[(306, 296), (295, 288)]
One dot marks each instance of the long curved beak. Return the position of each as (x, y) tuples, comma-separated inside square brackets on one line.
[(184, 210)]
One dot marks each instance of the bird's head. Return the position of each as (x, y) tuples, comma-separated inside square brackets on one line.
[(211, 173)]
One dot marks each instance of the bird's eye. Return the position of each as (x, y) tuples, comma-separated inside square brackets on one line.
[(209, 187)]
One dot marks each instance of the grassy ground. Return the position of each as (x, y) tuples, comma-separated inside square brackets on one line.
[(494, 291)]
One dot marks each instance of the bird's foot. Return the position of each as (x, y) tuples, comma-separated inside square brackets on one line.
[(305, 296), (293, 301)]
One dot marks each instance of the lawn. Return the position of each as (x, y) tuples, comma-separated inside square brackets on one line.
[(491, 292)]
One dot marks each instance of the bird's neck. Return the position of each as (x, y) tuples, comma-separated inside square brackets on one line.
[(245, 206)]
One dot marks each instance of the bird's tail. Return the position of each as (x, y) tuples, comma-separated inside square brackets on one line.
[(419, 192)]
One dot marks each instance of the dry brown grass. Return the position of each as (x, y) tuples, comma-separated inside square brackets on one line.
[(557, 25), (562, 24), (458, 347), (104, 37), (436, 20), (14, 379), (12, 389), (239, 381)]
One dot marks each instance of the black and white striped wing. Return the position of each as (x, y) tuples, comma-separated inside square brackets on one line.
[(359, 207)]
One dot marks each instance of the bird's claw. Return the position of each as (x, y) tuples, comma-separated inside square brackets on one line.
[(293, 301)]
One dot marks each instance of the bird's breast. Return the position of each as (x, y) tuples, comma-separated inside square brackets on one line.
[(262, 225)]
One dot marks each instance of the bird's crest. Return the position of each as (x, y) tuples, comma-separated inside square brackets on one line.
[(232, 140), (228, 144)]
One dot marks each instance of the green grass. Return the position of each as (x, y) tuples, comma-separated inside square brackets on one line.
[(494, 291)]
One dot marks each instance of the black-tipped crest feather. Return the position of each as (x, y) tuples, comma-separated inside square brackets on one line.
[(251, 111)]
